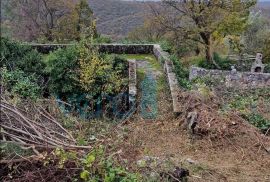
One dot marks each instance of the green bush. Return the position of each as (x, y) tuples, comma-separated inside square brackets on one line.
[(258, 120), (166, 46), (77, 70), (96, 166), (102, 39), (15, 55), (19, 83), (62, 68), (101, 74), (267, 68), (181, 72), (202, 62), (119, 64), (223, 63), (22, 69)]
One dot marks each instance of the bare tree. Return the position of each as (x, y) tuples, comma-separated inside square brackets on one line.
[(51, 20)]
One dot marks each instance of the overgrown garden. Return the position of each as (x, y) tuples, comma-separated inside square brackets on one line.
[(65, 115)]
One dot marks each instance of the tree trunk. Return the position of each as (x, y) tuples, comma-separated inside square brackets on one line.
[(197, 51), (206, 37), (208, 53)]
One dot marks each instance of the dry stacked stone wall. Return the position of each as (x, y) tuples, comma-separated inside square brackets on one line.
[(233, 78)]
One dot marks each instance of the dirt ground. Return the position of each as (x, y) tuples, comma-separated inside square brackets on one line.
[(228, 159), (225, 148)]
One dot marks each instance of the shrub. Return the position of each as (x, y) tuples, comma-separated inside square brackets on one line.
[(202, 62), (19, 83), (96, 166), (15, 55), (258, 120), (102, 39), (100, 74), (267, 68), (62, 68), (166, 46), (181, 72), (223, 63), (22, 69), (79, 74)]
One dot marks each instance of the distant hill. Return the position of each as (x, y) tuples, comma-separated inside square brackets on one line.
[(116, 18), (265, 8)]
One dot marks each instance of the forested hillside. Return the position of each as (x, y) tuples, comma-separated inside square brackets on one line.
[(265, 8), (116, 18)]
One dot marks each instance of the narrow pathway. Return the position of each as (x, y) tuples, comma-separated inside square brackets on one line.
[(153, 91), (148, 87)]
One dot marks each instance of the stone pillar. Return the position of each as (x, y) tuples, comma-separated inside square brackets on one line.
[(132, 83), (258, 66)]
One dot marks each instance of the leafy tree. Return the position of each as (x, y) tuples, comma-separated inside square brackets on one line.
[(204, 21), (85, 18), (79, 23), (150, 31), (34, 18), (256, 37)]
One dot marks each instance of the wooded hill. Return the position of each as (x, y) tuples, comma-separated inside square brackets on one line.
[(117, 18)]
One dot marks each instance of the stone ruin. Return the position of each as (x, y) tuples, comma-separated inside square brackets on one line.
[(233, 78), (258, 66)]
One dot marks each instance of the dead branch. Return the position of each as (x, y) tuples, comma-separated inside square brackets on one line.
[(29, 124)]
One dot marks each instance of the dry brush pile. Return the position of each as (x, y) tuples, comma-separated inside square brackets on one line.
[(222, 127), (31, 134), (31, 124)]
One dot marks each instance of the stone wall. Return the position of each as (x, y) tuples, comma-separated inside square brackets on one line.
[(243, 80), (132, 86), (164, 59), (46, 48), (104, 48), (126, 48)]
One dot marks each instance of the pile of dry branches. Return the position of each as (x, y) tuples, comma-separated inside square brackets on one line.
[(217, 126), (30, 124)]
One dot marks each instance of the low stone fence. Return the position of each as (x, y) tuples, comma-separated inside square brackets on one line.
[(132, 86), (126, 48), (233, 78), (104, 48), (164, 59), (47, 48)]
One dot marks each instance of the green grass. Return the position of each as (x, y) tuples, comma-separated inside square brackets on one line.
[(141, 74), (146, 57), (161, 83)]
